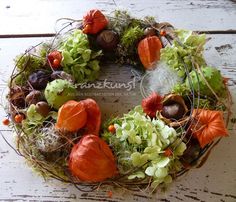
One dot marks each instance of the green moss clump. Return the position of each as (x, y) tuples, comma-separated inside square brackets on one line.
[(131, 36)]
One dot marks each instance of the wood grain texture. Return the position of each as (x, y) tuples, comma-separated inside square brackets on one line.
[(215, 181), (39, 16)]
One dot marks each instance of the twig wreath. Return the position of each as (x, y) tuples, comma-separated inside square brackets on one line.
[(170, 132)]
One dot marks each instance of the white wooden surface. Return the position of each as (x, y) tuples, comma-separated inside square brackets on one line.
[(215, 181), (39, 16)]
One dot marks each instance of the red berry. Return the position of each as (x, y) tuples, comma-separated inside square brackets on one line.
[(109, 194), (163, 33), (5, 122), (168, 152), (111, 129), (19, 118), (56, 63), (54, 59)]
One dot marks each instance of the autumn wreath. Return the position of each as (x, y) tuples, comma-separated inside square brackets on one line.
[(62, 136)]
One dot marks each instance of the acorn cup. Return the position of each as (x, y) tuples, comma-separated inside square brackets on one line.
[(174, 111)]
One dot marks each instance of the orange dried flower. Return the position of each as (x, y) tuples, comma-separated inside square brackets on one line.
[(92, 160), (149, 51), (152, 104), (71, 116), (93, 123), (94, 21), (209, 125)]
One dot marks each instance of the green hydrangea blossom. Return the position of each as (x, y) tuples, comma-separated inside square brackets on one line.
[(204, 76), (78, 59), (186, 49), (140, 143), (34, 120)]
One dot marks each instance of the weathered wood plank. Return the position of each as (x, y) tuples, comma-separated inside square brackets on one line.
[(215, 181), (39, 16)]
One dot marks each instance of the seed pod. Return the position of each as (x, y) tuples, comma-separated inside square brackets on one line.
[(33, 97), (94, 21), (149, 31), (62, 75), (83, 165), (174, 111), (39, 79), (43, 108), (17, 97), (149, 51)]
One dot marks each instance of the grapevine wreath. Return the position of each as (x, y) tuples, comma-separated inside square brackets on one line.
[(171, 131)]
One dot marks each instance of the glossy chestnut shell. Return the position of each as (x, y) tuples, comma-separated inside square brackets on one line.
[(174, 111)]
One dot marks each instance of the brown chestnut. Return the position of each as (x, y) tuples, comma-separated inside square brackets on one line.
[(173, 111), (149, 31), (107, 39), (33, 97), (39, 79), (43, 108)]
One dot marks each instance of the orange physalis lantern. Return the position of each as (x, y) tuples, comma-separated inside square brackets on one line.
[(92, 160), (71, 116), (94, 21), (208, 125), (149, 51), (93, 123)]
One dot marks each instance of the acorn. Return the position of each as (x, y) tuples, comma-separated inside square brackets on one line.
[(149, 31), (108, 40)]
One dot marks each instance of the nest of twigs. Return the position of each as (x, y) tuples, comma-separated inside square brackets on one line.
[(48, 153)]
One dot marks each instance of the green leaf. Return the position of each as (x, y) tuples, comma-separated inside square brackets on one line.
[(131, 35), (161, 172), (167, 179), (162, 162), (150, 171), (183, 35), (138, 174), (139, 159), (78, 59), (205, 77), (86, 55), (180, 149), (154, 149), (94, 65), (66, 58), (33, 115), (187, 48), (155, 183)]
